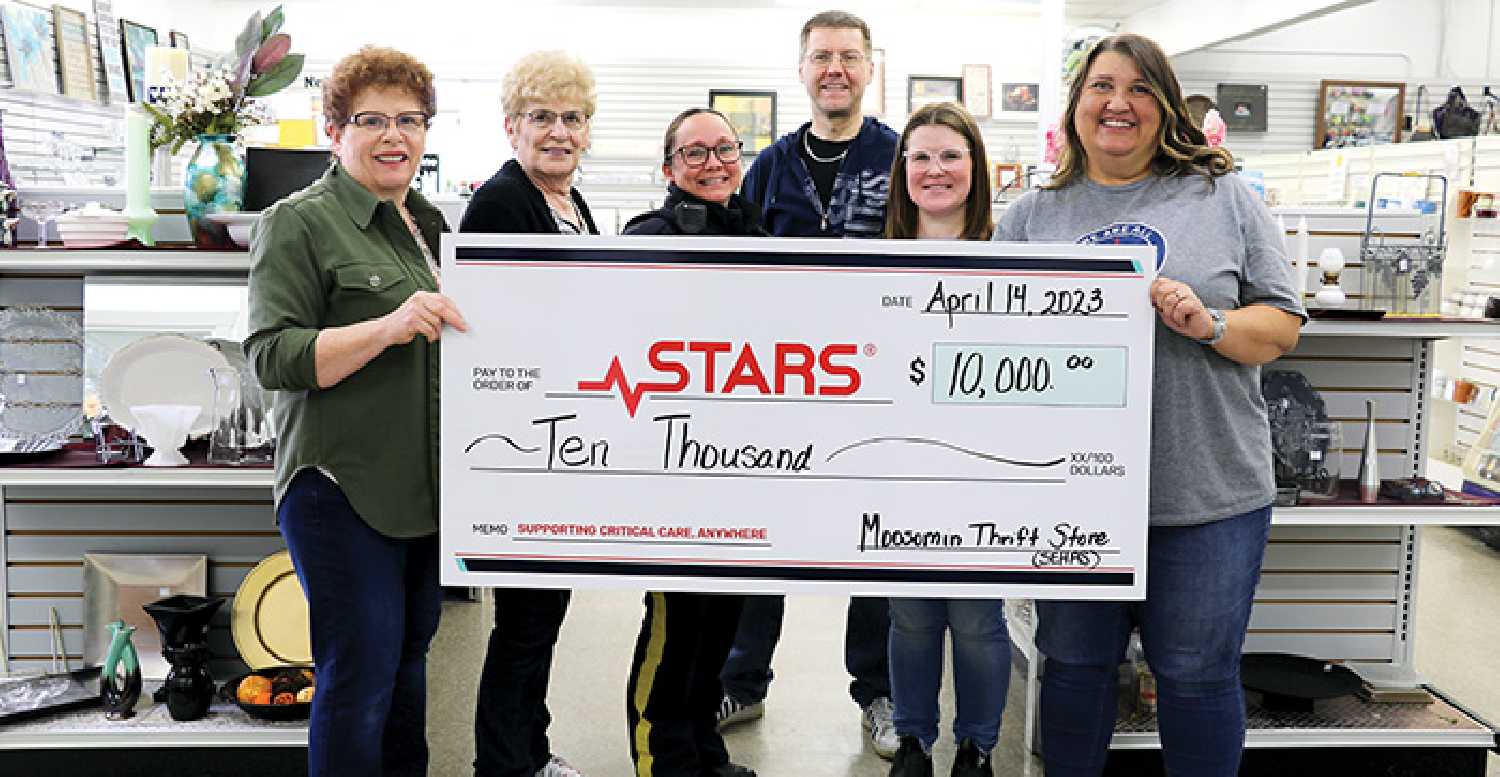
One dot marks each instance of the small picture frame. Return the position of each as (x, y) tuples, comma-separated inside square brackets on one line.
[(179, 40), (977, 91), (1019, 98), (1009, 176), (108, 33), (28, 48), (923, 90), (1359, 113), (1243, 106), (752, 113), (71, 30), (134, 39)]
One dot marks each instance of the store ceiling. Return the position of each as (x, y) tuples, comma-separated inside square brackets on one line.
[(1104, 10)]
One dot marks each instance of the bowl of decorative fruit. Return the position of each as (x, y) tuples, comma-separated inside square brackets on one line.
[(280, 693)]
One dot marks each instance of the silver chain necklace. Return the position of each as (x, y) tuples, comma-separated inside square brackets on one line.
[(807, 144)]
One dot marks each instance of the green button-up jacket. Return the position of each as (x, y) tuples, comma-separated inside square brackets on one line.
[(329, 256)]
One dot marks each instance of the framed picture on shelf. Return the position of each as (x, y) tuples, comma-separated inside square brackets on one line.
[(1243, 106), (752, 114), (977, 91), (134, 38), (71, 30), (1019, 98), (1009, 176), (922, 90), (28, 48), (1359, 113), (109, 51), (179, 40)]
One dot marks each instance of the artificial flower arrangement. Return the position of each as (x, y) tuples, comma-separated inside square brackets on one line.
[(219, 101)]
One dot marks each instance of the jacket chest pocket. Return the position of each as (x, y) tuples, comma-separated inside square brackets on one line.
[(365, 291)]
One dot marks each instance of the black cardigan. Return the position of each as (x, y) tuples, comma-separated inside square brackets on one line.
[(510, 203)]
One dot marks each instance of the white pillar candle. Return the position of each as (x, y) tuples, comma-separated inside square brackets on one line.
[(164, 65)]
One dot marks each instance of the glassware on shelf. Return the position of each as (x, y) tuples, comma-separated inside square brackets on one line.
[(241, 432), (43, 212)]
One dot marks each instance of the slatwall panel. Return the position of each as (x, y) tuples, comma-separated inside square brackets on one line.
[(48, 529), (97, 125), (1479, 360)]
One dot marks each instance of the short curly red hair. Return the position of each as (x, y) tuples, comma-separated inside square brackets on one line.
[(375, 67)]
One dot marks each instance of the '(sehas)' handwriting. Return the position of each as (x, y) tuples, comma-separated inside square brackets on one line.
[(681, 451), (1011, 299)]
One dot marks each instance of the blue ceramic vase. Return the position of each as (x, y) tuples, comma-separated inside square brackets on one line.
[(215, 183)]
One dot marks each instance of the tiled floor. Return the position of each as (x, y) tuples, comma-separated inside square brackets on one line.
[(811, 728)]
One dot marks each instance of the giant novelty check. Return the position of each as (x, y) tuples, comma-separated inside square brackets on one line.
[(872, 417)]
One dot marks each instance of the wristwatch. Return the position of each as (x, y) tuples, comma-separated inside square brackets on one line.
[(1220, 324)]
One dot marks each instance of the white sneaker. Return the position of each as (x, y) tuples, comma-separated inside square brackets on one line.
[(732, 711), (877, 721), (557, 767)]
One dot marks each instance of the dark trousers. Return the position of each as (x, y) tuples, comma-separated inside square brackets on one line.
[(673, 694), (511, 718), (373, 605), (1198, 597), (747, 673)]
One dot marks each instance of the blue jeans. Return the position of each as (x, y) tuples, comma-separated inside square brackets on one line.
[(373, 605), (1199, 587), (981, 667), (747, 673)]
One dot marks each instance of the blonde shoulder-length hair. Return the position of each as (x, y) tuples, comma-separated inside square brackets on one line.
[(1181, 148)]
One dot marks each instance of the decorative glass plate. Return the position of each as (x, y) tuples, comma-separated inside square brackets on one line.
[(41, 373)]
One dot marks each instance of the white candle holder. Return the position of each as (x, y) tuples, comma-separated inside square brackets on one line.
[(1331, 262)]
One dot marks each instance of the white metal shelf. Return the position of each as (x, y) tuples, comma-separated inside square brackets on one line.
[(1436, 329), (1385, 515), (63, 261), (117, 477)]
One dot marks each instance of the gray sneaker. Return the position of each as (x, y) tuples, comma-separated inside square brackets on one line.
[(732, 711), (557, 767), (877, 721)]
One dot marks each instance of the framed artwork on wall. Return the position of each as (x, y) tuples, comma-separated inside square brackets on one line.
[(1243, 106), (1019, 98), (1359, 113), (751, 113), (109, 50), (922, 90), (179, 40), (134, 38), (28, 48), (977, 91), (71, 29)]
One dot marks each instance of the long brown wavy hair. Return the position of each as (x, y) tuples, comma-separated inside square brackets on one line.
[(1181, 148), (901, 216)]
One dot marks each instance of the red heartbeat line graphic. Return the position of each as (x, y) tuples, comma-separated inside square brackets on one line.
[(615, 377)]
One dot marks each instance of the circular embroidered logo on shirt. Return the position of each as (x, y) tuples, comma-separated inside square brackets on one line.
[(1128, 234), (374, 281)]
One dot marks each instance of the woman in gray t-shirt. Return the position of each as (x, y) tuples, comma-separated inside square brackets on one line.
[(1136, 171)]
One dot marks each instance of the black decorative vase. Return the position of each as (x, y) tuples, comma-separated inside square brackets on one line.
[(183, 621)]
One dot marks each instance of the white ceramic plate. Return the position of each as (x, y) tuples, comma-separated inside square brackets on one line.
[(161, 370)]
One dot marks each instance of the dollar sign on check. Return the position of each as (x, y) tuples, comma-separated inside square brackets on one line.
[(918, 373)]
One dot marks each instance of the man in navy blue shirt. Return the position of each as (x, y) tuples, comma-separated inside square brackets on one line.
[(830, 178)]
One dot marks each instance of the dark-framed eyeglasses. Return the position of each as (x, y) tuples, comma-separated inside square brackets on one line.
[(697, 155), (922, 160), (542, 118), (407, 122), (822, 59)]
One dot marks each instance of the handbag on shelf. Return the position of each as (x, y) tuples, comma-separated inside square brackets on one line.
[(1455, 118)]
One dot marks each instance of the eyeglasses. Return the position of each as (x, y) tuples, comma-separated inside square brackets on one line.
[(408, 123), (541, 118), (823, 59), (697, 156), (922, 160)]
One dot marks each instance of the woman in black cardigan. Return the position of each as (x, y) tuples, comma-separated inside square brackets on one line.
[(549, 99)]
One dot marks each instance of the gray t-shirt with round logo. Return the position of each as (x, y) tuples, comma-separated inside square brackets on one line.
[(1210, 443)]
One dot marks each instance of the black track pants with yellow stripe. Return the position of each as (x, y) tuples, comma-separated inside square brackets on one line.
[(674, 691)]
